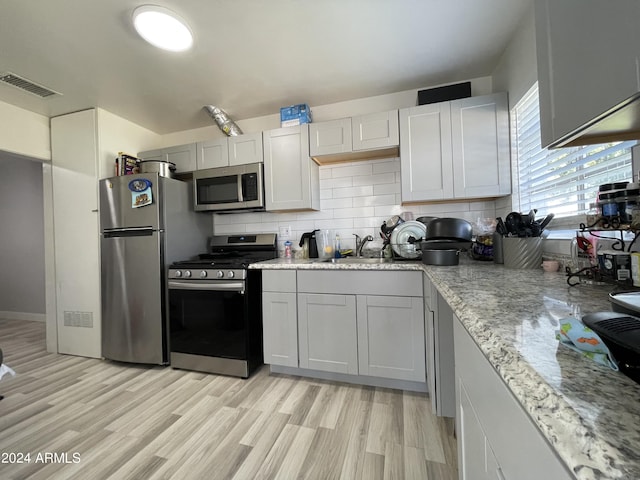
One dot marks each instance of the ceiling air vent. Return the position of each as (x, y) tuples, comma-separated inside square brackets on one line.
[(26, 85)]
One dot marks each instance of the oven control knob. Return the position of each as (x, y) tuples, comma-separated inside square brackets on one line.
[(178, 273), (187, 273), (203, 274), (231, 274), (219, 274)]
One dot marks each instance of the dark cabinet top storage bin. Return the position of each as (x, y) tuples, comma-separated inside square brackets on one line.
[(444, 94)]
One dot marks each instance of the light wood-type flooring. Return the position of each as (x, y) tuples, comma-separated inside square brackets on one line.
[(81, 418)]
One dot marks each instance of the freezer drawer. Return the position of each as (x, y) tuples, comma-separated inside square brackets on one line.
[(134, 322)]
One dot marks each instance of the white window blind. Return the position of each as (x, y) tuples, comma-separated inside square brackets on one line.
[(562, 181)]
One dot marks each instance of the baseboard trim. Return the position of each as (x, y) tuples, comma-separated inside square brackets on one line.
[(356, 379), (33, 317)]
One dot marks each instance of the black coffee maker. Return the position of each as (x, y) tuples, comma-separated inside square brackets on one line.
[(310, 238)]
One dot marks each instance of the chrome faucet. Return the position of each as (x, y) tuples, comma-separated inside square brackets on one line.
[(360, 243)]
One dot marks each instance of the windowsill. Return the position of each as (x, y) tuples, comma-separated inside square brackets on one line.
[(565, 228)]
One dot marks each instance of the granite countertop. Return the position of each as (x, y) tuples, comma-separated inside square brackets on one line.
[(587, 412)]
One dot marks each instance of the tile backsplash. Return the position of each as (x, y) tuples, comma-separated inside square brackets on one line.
[(355, 198)]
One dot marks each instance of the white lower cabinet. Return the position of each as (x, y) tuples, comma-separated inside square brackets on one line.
[(279, 318), (327, 332), (472, 441), (439, 351), (391, 337), (364, 323), (496, 438)]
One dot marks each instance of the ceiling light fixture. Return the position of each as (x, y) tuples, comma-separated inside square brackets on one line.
[(162, 28)]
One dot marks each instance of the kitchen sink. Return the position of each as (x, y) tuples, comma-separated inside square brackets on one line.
[(358, 260)]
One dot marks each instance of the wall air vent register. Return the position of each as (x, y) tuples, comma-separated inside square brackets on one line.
[(26, 85)]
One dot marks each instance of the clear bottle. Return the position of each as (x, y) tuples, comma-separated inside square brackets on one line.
[(593, 216), (287, 249)]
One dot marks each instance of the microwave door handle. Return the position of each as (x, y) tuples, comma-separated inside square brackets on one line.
[(240, 181)]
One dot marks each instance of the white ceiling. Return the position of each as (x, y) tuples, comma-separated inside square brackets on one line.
[(250, 56)]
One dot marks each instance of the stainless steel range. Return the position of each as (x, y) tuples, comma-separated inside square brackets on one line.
[(215, 306)]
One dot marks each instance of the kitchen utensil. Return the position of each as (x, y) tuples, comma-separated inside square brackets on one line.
[(501, 228), (405, 239), (441, 257), (545, 221), (529, 218), (514, 223), (449, 228), (162, 167)]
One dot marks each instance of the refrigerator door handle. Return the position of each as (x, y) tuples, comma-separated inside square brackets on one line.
[(128, 232)]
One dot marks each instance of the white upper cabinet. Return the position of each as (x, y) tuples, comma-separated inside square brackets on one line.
[(212, 154), (230, 151), (356, 138), (588, 56), (184, 156), (291, 178), (425, 152), (244, 149), (455, 150), (375, 131), (480, 146), (328, 138)]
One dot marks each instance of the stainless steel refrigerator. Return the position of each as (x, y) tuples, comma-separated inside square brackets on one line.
[(146, 222)]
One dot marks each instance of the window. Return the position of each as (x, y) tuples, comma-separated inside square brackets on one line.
[(562, 181)]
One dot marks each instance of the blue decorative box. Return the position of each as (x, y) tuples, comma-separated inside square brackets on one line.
[(295, 115)]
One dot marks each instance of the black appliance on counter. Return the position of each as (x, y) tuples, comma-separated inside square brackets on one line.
[(620, 330), (215, 306)]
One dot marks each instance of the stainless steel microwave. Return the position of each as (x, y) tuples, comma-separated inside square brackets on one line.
[(239, 187)]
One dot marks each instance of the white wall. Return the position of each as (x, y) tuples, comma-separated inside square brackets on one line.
[(22, 295), (116, 134), (24, 133), (320, 113), (517, 68), (516, 73)]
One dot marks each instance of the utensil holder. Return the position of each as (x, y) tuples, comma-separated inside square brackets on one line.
[(524, 253)]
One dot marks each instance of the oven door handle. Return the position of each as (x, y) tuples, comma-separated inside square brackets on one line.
[(210, 286)]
